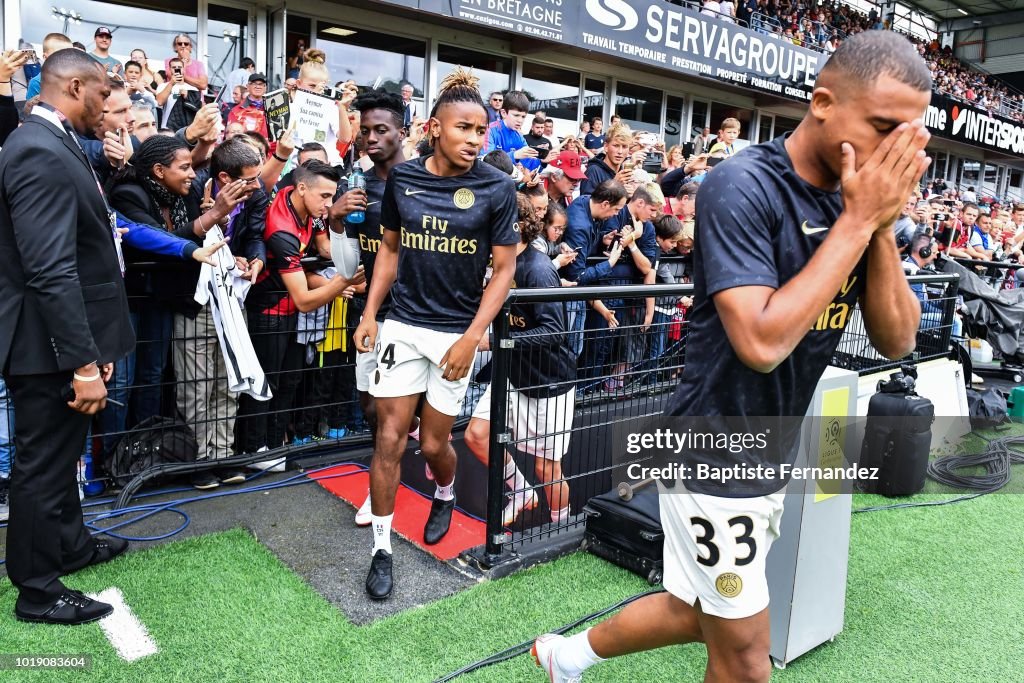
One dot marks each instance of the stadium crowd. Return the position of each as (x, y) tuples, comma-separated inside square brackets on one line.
[(952, 77), (823, 26), (611, 206), (173, 167)]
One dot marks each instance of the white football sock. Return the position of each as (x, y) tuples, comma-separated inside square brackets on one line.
[(514, 479), (444, 492), (381, 533), (576, 656), (560, 515)]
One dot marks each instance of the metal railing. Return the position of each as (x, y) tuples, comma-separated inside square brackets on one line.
[(772, 26), (939, 325), (633, 383), (765, 23), (1011, 105), (177, 372), (996, 274), (623, 373), (698, 7)]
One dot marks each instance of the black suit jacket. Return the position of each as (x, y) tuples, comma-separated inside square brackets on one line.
[(62, 298)]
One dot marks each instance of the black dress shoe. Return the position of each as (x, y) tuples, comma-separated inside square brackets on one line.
[(379, 581), (439, 520), (106, 549), (103, 550), (71, 608)]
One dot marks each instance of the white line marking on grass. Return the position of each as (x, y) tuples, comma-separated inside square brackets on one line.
[(123, 629)]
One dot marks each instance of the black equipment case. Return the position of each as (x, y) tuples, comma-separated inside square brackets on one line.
[(898, 436), (628, 532)]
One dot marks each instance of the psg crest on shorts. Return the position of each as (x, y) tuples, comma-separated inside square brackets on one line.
[(729, 584)]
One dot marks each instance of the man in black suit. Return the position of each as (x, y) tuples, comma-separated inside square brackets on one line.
[(66, 321)]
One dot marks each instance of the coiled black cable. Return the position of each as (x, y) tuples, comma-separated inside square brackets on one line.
[(995, 459)]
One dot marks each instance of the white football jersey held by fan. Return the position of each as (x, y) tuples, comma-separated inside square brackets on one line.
[(222, 287)]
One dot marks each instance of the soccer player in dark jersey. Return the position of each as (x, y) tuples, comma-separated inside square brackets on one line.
[(444, 216), (791, 234), (382, 133), (542, 378)]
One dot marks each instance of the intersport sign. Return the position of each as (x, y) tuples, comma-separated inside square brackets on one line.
[(960, 121)]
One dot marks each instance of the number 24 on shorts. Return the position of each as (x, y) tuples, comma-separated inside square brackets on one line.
[(706, 539), (387, 359)]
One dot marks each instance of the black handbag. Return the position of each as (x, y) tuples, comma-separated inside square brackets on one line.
[(154, 441)]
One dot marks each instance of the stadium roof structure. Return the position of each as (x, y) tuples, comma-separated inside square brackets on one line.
[(991, 29), (959, 15)]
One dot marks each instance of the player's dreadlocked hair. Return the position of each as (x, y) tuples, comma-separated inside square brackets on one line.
[(458, 86), (158, 149), (381, 99)]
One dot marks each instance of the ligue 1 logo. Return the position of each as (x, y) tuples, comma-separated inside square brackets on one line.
[(959, 118), (615, 14)]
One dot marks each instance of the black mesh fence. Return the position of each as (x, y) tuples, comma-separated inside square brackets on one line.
[(997, 274), (299, 392), (629, 345), (559, 436), (940, 324), (626, 341)]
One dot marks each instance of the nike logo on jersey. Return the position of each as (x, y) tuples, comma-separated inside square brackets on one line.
[(372, 203), (810, 231), (409, 193)]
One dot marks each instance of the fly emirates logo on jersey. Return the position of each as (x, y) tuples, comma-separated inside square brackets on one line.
[(434, 235), (837, 314), (370, 245)]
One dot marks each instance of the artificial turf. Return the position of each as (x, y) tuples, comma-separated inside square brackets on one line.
[(934, 595)]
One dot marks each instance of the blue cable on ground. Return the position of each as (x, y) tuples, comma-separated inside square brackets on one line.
[(146, 511)]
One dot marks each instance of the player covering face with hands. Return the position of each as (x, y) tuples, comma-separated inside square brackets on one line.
[(817, 214)]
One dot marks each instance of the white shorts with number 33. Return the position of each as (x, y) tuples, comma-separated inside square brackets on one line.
[(715, 549)]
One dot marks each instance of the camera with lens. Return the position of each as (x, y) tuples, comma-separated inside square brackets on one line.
[(900, 382), (336, 94)]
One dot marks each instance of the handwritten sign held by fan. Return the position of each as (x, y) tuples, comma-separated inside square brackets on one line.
[(315, 117)]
